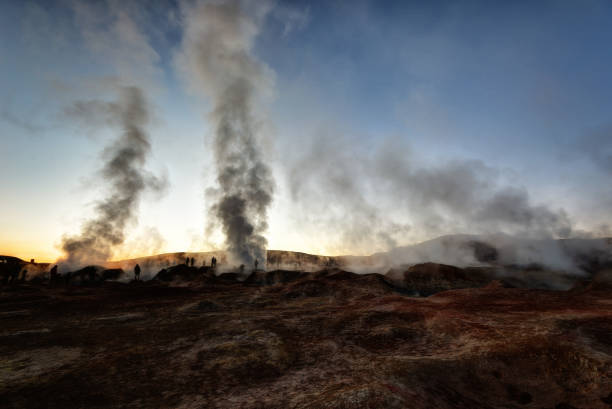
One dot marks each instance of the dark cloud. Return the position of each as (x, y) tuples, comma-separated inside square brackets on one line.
[(511, 207)]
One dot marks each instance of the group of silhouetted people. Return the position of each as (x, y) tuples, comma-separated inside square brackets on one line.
[(189, 261), (55, 277)]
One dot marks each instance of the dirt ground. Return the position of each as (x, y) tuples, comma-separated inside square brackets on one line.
[(319, 340)]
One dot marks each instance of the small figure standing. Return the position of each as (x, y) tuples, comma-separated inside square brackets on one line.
[(187, 261), (137, 272), (15, 274), (53, 274), (213, 262), (192, 261), (256, 263)]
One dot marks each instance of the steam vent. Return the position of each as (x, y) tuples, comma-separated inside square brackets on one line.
[(273, 204)]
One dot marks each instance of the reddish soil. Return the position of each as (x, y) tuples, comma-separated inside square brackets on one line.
[(331, 339)]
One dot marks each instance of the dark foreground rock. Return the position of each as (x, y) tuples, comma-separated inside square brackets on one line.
[(331, 339), (431, 278), (182, 272)]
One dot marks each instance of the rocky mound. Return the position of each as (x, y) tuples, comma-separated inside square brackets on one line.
[(182, 272), (602, 281), (86, 275), (261, 277), (112, 274), (343, 285), (429, 278), (13, 269)]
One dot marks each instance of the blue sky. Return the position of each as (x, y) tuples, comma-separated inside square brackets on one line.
[(523, 88)]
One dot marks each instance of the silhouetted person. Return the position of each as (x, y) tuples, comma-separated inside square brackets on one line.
[(192, 261), (187, 261), (137, 272), (256, 263), (53, 274), (14, 274), (213, 262)]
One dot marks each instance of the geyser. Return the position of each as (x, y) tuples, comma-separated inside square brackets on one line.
[(123, 172), (217, 56)]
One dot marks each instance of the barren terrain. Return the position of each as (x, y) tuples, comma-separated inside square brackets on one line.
[(282, 339)]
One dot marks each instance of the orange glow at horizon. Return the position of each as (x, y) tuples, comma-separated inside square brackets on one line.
[(43, 252), (27, 251)]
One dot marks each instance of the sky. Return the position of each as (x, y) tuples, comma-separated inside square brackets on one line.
[(382, 123)]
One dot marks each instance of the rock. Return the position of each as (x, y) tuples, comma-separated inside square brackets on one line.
[(229, 277), (208, 306), (86, 275), (112, 274), (181, 272), (430, 278), (260, 277)]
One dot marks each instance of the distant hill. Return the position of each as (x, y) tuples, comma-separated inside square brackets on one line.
[(576, 256), (15, 267), (573, 256)]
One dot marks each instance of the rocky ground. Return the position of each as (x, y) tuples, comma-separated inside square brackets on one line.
[(331, 339)]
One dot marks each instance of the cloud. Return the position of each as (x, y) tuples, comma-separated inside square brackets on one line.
[(292, 18), (597, 146), (110, 32), (374, 199), (10, 117)]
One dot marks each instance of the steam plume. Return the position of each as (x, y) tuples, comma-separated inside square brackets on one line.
[(217, 57), (389, 190), (124, 172)]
